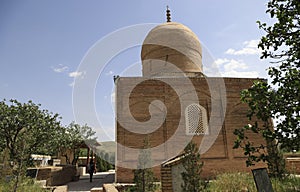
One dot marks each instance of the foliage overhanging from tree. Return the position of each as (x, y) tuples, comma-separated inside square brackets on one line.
[(280, 99)]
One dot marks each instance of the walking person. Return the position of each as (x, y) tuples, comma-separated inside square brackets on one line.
[(91, 169)]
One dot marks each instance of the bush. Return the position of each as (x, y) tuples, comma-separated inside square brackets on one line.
[(192, 165), (291, 183), (143, 176), (233, 182), (157, 188), (25, 184)]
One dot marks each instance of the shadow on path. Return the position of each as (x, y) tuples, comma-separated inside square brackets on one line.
[(84, 184)]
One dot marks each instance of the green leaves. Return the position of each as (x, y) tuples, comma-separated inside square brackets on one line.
[(25, 123), (72, 137), (25, 129), (143, 175), (280, 99), (193, 168)]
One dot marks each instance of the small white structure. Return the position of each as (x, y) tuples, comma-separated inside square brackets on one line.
[(41, 160)]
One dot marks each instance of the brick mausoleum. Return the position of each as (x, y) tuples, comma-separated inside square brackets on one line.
[(190, 105)]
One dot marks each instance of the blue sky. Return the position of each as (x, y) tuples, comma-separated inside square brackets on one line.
[(42, 44)]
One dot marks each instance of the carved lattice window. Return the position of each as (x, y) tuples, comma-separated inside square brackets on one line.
[(196, 120)]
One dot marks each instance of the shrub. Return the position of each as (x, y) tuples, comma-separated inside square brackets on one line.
[(157, 188), (192, 164), (233, 182), (25, 184), (143, 175), (291, 183)]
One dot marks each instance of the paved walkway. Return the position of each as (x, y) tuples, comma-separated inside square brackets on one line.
[(84, 184)]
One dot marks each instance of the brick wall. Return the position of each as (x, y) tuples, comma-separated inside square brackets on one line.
[(166, 178), (44, 173), (292, 164), (220, 156), (62, 176)]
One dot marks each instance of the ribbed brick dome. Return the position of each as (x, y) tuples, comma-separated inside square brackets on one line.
[(174, 43)]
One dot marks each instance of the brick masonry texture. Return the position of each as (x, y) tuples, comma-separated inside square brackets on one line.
[(219, 158)]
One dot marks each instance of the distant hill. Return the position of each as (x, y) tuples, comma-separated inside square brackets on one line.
[(107, 147)]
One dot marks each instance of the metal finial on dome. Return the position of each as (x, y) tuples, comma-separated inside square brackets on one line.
[(168, 14)]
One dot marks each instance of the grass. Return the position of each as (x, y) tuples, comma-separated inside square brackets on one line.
[(243, 182), (292, 153), (132, 188), (240, 182), (232, 182), (26, 184), (291, 183)]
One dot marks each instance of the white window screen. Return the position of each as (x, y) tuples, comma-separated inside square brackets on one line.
[(196, 120)]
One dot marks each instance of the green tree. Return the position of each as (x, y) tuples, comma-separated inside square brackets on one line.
[(112, 160), (280, 99), (192, 165), (101, 164), (105, 161), (257, 97), (107, 158), (24, 129), (72, 138), (143, 175)]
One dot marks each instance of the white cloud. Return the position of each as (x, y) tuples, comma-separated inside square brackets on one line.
[(234, 64), (113, 99), (219, 62), (75, 74), (249, 48), (109, 73), (234, 68), (252, 43), (245, 74), (113, 96), (60, 69)]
